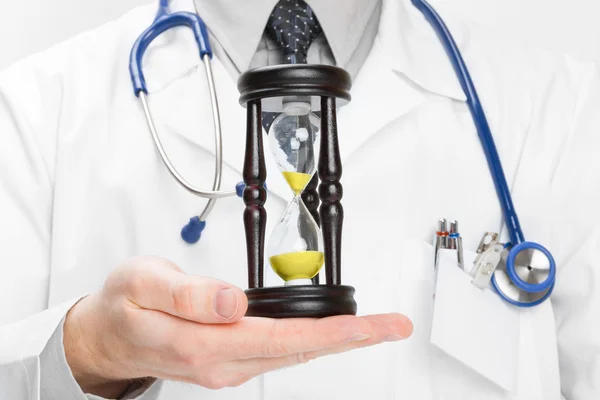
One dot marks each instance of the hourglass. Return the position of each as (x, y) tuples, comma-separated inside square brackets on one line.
[(306, 150)]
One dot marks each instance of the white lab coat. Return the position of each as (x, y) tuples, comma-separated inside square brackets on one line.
[(83, 188)]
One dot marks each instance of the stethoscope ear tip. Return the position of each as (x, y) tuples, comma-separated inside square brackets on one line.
[(192, 232)]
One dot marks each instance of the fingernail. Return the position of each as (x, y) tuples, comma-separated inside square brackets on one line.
[(358, 337), (393, 338), (226, 303)]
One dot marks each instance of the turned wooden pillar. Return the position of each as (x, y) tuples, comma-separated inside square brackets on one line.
[(310, 198), (255, 195), (330, 192)]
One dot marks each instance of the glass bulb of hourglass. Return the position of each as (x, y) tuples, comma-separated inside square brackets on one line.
[(295, 248), (293, 142)]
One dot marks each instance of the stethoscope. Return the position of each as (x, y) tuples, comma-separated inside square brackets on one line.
[(522, 259)]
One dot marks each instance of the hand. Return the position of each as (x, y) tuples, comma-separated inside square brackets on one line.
[(153, 320)]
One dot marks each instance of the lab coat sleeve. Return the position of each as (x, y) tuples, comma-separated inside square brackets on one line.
[(31, 104), (574, 196), (29, 116), (57, 381)]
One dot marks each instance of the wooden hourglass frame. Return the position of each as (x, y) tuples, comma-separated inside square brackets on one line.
[(265, 88)]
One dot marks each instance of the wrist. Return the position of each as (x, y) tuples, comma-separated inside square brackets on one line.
[(90, 368)]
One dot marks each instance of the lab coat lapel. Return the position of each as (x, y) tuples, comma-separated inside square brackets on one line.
[(406, 66)]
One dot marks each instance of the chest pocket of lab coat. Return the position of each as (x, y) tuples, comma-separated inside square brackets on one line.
[(423, 371), (426, 372)]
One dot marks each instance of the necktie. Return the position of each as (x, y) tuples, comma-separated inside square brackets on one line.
[(293, 26)]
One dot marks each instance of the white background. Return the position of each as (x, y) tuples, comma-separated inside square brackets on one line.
[(29, 26), (566, 26)]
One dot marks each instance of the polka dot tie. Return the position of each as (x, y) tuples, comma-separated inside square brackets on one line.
[(293, 26)]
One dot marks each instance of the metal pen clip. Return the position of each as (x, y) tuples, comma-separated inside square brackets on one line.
[(488, 239)]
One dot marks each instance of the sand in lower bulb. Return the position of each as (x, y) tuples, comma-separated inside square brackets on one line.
[(298, 267)]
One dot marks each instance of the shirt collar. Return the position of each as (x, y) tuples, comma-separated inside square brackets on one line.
[(239, 25)]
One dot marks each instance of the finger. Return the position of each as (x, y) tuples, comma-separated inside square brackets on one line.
[(260, 337), (386, 328), (391, 327), (157, 284)]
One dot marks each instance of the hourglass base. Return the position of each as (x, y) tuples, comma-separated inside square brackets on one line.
[(307, 301)]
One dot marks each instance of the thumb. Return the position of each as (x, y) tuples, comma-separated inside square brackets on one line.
[(157, 284)]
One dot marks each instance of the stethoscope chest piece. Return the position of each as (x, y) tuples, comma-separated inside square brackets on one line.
[(525, 275)]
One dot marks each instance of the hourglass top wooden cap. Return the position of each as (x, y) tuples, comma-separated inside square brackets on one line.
[(280, 81)]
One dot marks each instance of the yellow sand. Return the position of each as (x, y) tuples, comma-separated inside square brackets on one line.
[(298, 265), (297, 180)]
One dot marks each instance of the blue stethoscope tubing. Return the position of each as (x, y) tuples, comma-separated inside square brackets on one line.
[(483, 130), (164, 21)]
